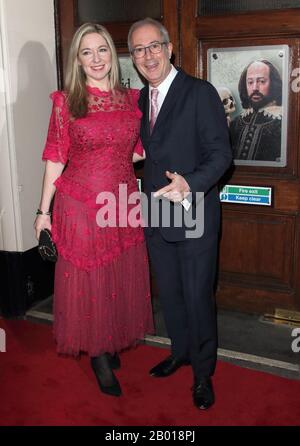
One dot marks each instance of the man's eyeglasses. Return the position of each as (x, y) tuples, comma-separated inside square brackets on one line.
[(154, 48)]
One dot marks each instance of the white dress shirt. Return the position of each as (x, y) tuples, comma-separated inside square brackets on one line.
[(163, 89)]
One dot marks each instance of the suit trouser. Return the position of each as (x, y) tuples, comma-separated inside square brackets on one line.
[(185, 275)]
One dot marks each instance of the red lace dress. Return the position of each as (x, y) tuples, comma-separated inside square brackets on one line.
[(101, 294)]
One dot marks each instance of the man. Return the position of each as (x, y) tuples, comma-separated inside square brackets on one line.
[(185, 136), (256, 133)]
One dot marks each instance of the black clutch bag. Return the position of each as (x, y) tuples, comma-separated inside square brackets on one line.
[(47, 248)]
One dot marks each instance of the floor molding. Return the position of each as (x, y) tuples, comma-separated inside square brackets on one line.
[(258, 360), (39, 315), (230, 354)]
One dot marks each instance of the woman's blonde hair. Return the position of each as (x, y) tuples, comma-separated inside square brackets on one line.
[(75, 78)]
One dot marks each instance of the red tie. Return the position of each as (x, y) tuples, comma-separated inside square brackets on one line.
[(154, 107)]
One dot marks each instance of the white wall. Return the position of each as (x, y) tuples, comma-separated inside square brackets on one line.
[(28, 71)]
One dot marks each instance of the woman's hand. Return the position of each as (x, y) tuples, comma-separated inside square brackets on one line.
[(136, 157), (42, 222)]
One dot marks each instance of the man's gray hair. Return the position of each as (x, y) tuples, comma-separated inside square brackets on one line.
[(148, 21)]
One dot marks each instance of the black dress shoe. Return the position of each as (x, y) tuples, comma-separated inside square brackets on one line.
[(203, 393), (106, 378), (114, 361), (167, 367)]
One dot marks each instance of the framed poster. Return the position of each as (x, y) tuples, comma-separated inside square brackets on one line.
[(129, 75), (252, 83)]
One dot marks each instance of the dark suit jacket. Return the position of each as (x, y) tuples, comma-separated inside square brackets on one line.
[(190, 137)]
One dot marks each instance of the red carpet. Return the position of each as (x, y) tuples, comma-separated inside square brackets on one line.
[(39, 388)]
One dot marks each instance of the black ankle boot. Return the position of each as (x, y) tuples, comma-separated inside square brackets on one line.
[(106, 379), (115, 362)]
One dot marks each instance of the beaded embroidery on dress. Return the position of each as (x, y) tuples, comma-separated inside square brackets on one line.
[(99, 150)]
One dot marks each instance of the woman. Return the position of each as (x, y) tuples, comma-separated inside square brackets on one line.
[(101, 294)]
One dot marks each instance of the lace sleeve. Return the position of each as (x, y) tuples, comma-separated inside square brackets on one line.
[(57, 143), (135, 94)]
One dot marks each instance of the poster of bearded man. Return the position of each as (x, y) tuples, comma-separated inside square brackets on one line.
[(257, 79)]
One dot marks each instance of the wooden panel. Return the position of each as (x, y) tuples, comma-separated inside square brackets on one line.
[(230, 7), (259, 268), (263, 23), (188, 38), (103, 11), (170, 21), (254, 300), (64, 26), (257, 249)]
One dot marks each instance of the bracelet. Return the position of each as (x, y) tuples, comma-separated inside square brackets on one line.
[(39, 212)]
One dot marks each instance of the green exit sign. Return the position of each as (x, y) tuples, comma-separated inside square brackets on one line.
[(246, 195)]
